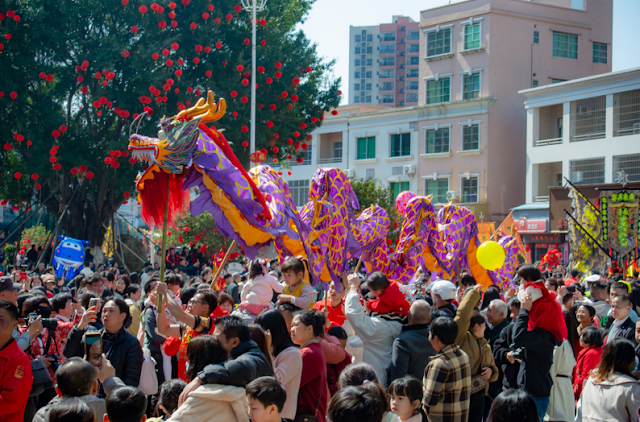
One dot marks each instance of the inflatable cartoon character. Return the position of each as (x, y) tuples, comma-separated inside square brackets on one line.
[(69, 256)]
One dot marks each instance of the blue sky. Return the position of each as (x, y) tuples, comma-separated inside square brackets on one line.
[(328, 26)]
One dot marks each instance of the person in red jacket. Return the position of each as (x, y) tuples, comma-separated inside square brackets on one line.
[(335, 307), (389, 297), (15, 368), (589, 357)]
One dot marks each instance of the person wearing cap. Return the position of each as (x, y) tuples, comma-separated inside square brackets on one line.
[(9, 292), (49, 282), (443, 292)]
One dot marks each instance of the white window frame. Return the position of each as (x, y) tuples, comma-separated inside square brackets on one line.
[(431, 178), (471, 21), (436, 78), (469, 123), (434, 30), (470, 72), (436, 127), (471, 176), (401, 132)]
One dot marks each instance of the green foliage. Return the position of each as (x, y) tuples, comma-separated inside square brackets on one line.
[(10, 252), (35, 235), (197, 231), (57, 38), (371, 192)]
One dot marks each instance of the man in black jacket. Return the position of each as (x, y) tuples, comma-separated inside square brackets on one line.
[(411, 351), (536, 352), (246, 361), (620, 325), (119, 346)]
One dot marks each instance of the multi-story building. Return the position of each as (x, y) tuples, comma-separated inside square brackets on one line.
[(475, 57), (384, 63), (585, 130)]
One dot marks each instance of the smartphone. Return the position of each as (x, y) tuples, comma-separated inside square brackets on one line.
[(571, 289), (93, 348), (94, 302), (23, 276), (74, 293)]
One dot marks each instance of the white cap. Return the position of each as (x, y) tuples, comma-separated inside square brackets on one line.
[(445, 289), (592, 278)]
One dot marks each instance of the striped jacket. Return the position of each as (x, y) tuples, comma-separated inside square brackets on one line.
[(447, 383)]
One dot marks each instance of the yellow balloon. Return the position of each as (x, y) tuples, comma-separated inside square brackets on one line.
[(490, 255)]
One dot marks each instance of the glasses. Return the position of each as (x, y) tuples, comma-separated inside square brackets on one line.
[(193, 302)]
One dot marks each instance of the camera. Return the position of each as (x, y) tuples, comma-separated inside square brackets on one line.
[(520, 354), (49, 323), (56, 362)]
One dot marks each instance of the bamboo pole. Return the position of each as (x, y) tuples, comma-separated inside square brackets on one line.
[(359, 264), (163, 263), (224, 261)]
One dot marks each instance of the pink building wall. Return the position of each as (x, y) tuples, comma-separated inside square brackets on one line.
[(508, 62)]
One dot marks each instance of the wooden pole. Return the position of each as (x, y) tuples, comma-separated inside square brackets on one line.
[(163, 263), (359, 264), (224, 262)]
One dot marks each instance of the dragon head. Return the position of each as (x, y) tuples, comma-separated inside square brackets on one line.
[(176, 145)]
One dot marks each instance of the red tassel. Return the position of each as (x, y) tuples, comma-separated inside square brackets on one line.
[(153, 198)]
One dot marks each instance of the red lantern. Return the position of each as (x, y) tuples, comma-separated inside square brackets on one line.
[(196, 60), (269, 124), (208, 73), (285, 94), (269, 80), (57, 166), (309, 69), (245, 82), (263, 43), (334, 112), (74, 171), (107, 160), (246, 41), (134, 29), (233, 94), (7, 146), (278, 65), (90, 175), (278, 75), (245, 144), (35, 176), (126, 194), (17, 175), (240, 68), (229, 16), (303, 125), (296, 134), (244, 100), (237, 8), (143, 9), (55, 134), (218, 45), (263, 22), (260, 69), (244, 129), (193, 26), (53, 159)]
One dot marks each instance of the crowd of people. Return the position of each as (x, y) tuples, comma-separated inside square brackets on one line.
[(265, 345)]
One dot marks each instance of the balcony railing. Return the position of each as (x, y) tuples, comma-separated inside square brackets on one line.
[(587, 137), (629, 131), (331, 160), (545, 142)]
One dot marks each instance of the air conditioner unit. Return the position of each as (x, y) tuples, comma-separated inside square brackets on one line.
[(401, 66), (409, 169), (402, 78), (583, 110), (452, 195), (402, 91), (636, 128), (402, 53), (350, 173), (402, 41)]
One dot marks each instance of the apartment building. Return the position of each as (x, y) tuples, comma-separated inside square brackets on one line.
[(384, 63), (586, 130), (475, 57)]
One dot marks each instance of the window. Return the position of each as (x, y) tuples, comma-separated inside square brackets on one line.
[(413, 48), (626, 113), (388, 98), (388, 61), (413, 35), (412, 85), (369, 49), (472, 35), (536, 37), (565, 45), (387, 48), (358, 37), (367, 99), (357, 75), (369, 37), (389, 36), (414, 60), (412, 73), (471, 86), (438, 91), (412, 98), (357, 62), (587, 172), (398, 187), (369, 62), (588, 119), (630, 164), (401, 145), (368, 87), (366, 148), (438, 188), (557, 81), (299, 192), (356, 99), (337, 150), (535, 83), (388, 86), (469, 189), (471, 137), (388, 74), (437, 141), (368, 75), (439, 42), (599, 53), (356, 87), (357, 50)]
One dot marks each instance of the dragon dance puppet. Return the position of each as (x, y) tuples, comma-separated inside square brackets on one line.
[(254, 208)]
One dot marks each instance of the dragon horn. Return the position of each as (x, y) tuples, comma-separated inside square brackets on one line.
[(208, 112), (134, 121)]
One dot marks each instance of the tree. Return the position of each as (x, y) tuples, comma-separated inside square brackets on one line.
[(371, 192), (75, 76)]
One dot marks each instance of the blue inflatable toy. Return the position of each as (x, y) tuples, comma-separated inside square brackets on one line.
[(68, 258)]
